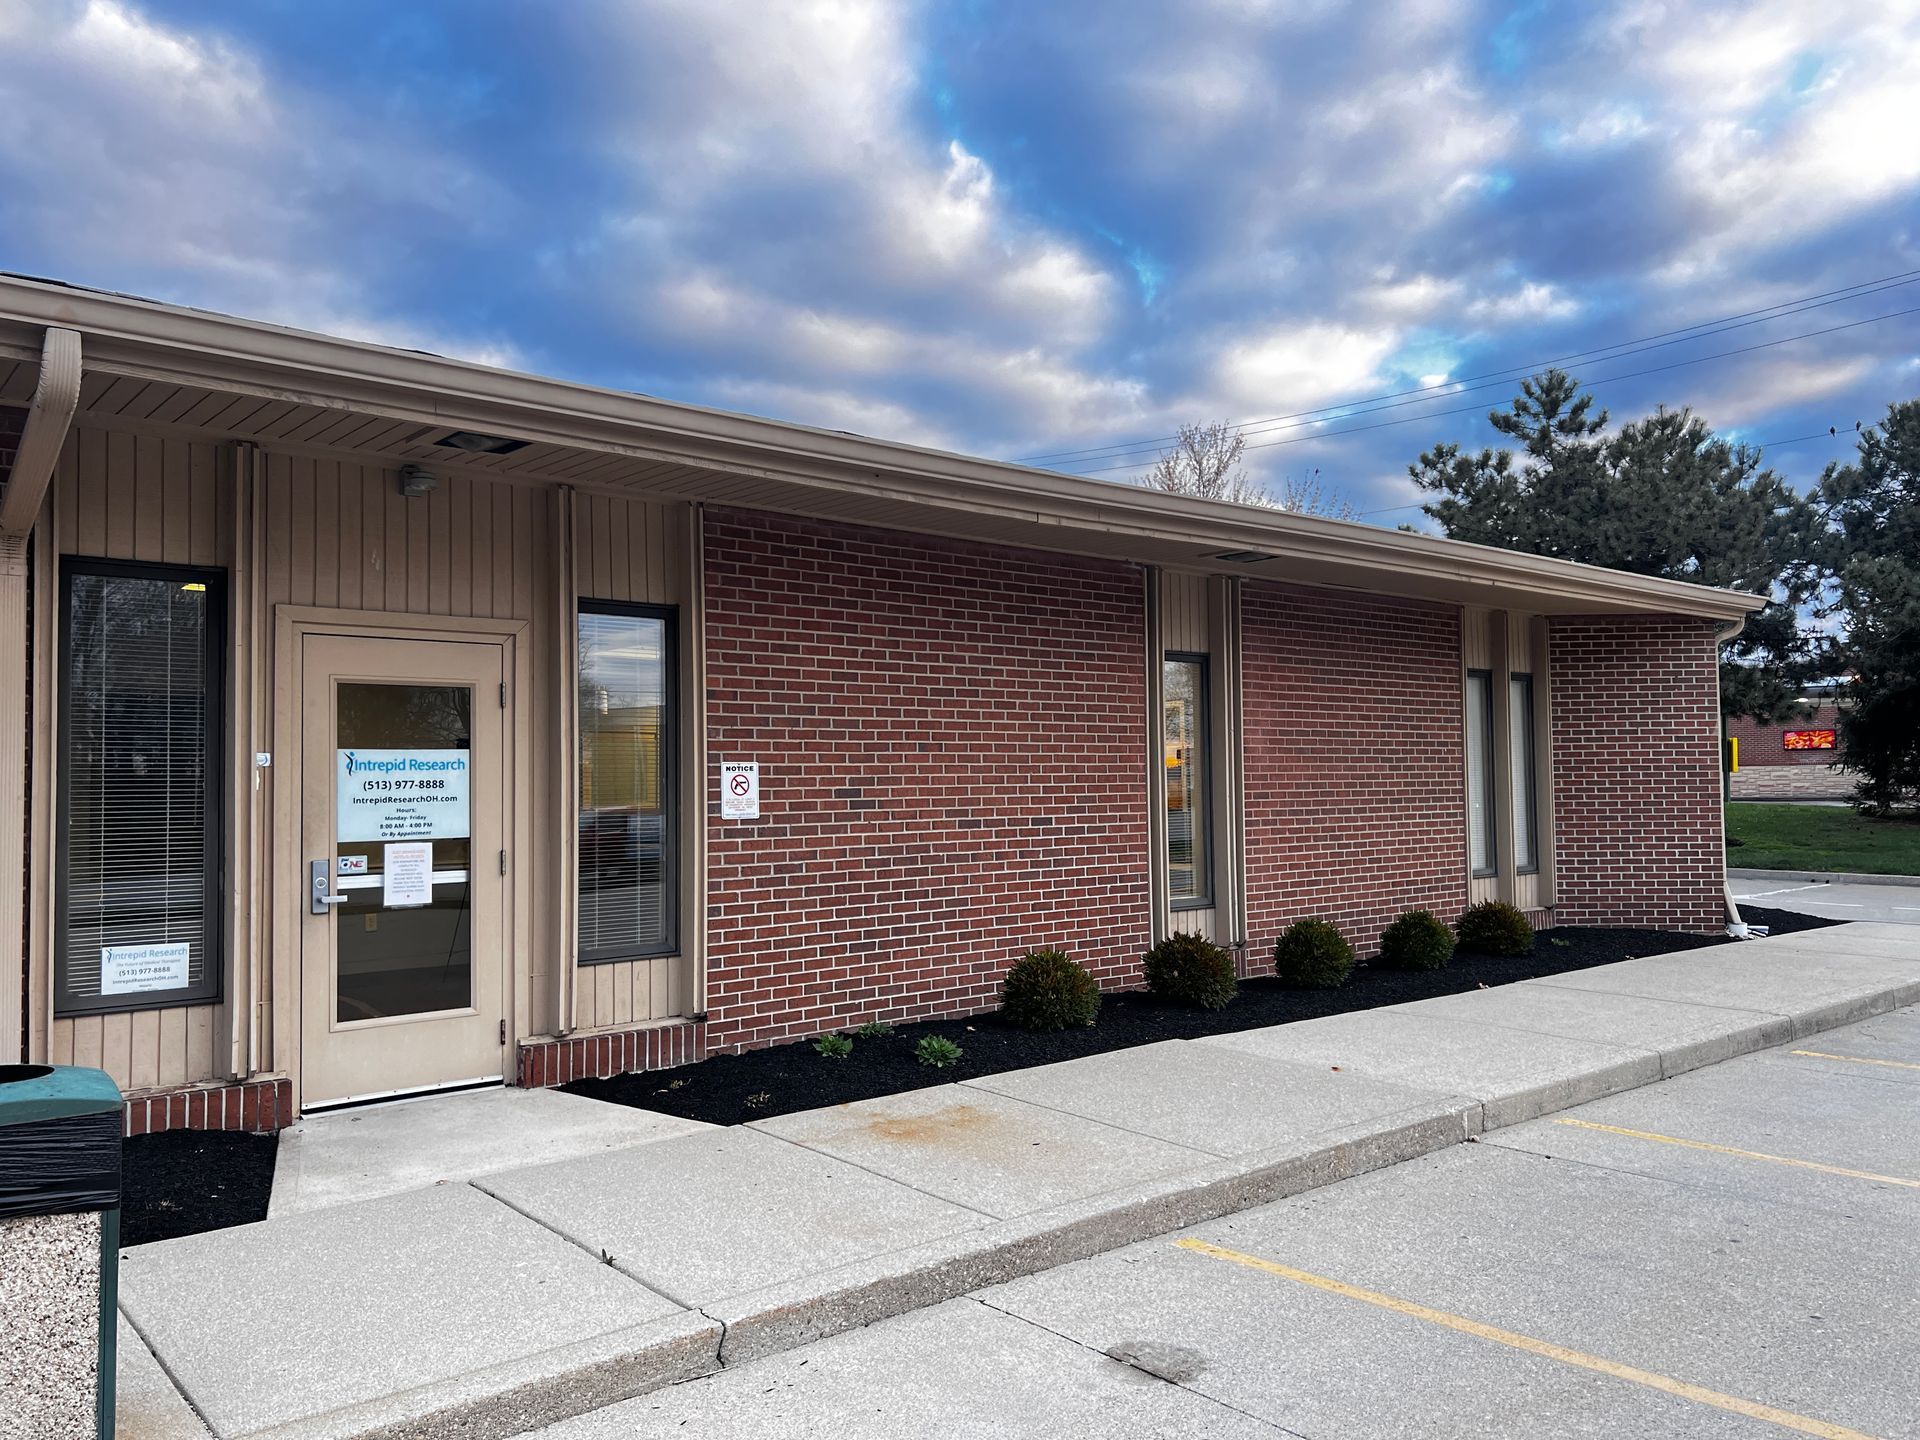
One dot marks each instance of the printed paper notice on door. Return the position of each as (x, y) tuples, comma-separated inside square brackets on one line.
[(400, 794), (408, 880), (739, 789), (137, 969)]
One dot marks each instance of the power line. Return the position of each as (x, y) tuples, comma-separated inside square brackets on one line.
[(1646, 342), (1832, 432), (1462, 387), (1591, 385)]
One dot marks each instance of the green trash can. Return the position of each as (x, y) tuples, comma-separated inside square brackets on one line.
[(59, 1250)]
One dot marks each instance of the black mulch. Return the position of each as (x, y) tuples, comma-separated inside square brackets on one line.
[(181, 1182), (729, 1089)]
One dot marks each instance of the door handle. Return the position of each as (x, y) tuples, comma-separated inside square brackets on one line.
[(320, 896)]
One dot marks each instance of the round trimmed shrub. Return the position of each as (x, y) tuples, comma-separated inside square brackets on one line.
[(1046, 991), (1416, 941), (1312, 955), (1191, 970), (1494, 928)]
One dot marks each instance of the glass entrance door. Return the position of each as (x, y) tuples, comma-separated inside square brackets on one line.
[(403, 940), (401, 822)]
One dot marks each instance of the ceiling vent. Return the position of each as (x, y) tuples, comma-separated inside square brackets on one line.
[(474, 443)]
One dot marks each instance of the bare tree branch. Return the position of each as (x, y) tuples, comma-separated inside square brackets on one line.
[(1205, 461)]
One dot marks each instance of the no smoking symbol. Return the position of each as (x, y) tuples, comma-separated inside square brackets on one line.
[(739, 784)]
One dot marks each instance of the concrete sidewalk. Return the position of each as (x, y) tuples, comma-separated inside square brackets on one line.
[(486, 1307)]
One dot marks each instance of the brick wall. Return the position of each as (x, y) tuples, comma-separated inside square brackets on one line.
[(1355, 796), (952, 766), (1636, 772), (1767, 744)]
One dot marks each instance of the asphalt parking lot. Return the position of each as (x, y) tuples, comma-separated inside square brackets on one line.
[(1898, 904), (1730, 1253)]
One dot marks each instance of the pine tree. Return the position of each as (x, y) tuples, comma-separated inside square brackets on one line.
[(1662, 495), (1873, 506)]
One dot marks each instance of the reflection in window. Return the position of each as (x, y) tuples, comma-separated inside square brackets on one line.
[(627, 837), (1480, 801), (1526, 824), (138, 855), (1184, 731)]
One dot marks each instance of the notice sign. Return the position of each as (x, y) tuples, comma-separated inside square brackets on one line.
[(739, 789), (400, 794), (408, 877), (136, 969), (1809, 739)]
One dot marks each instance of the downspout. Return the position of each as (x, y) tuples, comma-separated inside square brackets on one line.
[(1736, 927)]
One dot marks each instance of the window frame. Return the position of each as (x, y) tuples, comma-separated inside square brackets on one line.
[(671, 780), (212, 986), (1526, 801), (1203, 734), (1492, 751)]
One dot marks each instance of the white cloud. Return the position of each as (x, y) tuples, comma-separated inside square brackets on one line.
[(1296, 367), (148, 157), (1531, 301)]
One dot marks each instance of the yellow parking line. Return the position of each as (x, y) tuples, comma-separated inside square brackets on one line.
[(1733, 1404), (1855, 1059), (1743, 1154)]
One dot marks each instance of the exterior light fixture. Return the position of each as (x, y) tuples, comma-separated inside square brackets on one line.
[(474, 443), (417, 480), (1242, 557)]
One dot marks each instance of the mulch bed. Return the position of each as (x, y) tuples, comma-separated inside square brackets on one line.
[(730, 1089), (181, 1182)]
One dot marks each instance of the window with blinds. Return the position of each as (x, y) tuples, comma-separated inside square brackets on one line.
[(140, 739), (628, 837)]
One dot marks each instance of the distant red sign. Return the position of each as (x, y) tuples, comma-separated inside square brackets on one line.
[(1809, 739)]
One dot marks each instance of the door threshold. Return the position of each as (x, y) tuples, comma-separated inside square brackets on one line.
[(400, 1097)]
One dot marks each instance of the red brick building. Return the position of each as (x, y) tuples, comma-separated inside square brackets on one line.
[(383, 722), (1793, 759)]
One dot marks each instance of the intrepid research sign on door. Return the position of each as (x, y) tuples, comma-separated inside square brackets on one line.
[(401, 794)]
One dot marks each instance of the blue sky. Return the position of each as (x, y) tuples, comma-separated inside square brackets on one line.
[(1012, 228)]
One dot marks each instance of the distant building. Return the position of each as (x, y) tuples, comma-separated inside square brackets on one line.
[(1795, 759)]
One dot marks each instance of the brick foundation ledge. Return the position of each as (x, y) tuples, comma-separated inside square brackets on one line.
[(261, 1106), (605, 1053)]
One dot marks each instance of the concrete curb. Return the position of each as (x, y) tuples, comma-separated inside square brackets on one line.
[(1821, 877), (559, 1384)]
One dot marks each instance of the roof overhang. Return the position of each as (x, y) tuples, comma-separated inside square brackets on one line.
[(156, 365)]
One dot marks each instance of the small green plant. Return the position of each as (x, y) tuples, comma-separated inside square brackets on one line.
[(834, 1047), (1044, 990), (873, 1030), (1313, 955), (1191, 970), (937, 1051), (1493, 928), (1416, 941)]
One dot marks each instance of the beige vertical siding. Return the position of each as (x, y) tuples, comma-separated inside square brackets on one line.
[(118, 496), (1476, 653), (1512, 642), (338, 535), (640, 553)]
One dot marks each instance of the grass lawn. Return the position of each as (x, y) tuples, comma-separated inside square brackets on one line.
[(1820, 837)]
